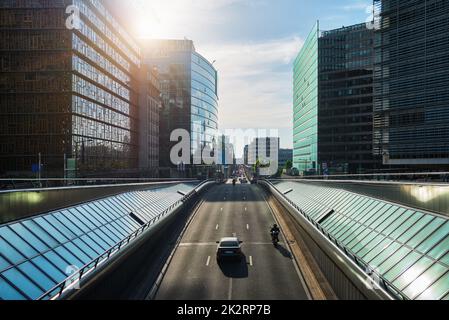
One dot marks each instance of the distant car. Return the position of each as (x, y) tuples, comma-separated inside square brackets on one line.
[(244, 180), (229, 248)]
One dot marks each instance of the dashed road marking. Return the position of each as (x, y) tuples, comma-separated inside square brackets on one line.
[(247, 227), (251, 261), (208, 261), (217, 227)]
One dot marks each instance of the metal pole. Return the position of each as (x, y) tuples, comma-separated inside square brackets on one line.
[(40, 168), (65, 169)]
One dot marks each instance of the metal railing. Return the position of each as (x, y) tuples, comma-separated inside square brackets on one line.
[(383, 283), (70, 282)]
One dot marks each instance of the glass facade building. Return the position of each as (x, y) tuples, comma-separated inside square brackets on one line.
[(189, 94), (67, 91), (345, 116), (333, 102), (305, 104), (411, 103)]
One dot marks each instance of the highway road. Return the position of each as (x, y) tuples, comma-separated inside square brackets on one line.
[(267, 273)]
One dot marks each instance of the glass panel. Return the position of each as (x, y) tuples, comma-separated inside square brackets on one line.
[(68, 223), (60, 263), (47, 227), (76, 252), (95, 218), (82, 218), (414, 229), (10, 253), (425, 280), (49, 268), (23, 283), (434, 239), (83, 246), (41, 233), (412, 273), (402, 265), (3, 264), (394, 259), (40, 278), (386, 246), (405, 218), (406, 225), (70, 258), (29, 237), (20, 245), (109, 239), (65, 230), (95, 210), (369, 246), (426, 232), (392, 219), (9, 293), (445, 259), (437, 291), (80, 224), (95, 242)]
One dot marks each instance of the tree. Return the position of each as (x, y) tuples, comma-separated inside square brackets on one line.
[(289, 165)]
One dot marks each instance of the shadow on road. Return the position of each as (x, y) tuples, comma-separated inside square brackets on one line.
[(234, 269), (284, 251)]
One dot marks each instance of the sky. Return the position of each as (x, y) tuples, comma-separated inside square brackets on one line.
[(254, 43)]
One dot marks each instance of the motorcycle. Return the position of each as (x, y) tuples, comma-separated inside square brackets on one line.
[(275, 237)]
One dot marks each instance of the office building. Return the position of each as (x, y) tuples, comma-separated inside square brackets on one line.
[(68, 90), (189, 97), (345, 101), (333, 102), (285, 155), (411, 96), (149, 107), (264, 151)]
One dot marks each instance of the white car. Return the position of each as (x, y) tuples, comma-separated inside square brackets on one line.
[(229, 248)]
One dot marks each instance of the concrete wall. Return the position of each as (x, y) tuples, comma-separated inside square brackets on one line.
[(430, 197)]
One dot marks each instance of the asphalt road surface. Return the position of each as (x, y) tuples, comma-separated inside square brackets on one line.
[(266, 273)]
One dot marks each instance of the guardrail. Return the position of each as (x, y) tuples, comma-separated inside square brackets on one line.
[(379, 280), (76, 278)]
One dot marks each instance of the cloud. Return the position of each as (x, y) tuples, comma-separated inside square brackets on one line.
[(255, 82)]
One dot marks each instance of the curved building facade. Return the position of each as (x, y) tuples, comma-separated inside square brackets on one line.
[(189, 95), (204, 104)]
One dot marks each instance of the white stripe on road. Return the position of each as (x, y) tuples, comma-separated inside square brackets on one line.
[(208, 261), (251, 261), (246, 209), (247, 227), (216, 228)]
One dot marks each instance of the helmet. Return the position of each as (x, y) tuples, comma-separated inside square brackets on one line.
[(275, 226)]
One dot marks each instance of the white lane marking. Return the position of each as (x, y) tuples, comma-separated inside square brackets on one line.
[(217, 227), (246, 209), (214, 244), (208, 261), (251, 261), (247, 227), (221, 209), (230, 289)]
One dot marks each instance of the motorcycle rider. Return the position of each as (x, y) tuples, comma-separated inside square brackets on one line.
[(275, 231)]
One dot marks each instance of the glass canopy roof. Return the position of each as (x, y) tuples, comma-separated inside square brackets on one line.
[(38, 253), (408, 248)]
